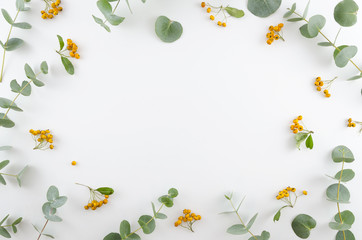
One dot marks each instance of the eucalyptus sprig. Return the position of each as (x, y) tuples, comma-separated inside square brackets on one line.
[(23, 89), (98, 197), (147, 222), (13, 43), (3, 231), (339, 194), (345, 14), (50, 208), (18, 176), (242, 228), (108, 12)]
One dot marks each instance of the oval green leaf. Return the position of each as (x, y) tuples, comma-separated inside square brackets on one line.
[(348, 235), (342, 197), (234, 12), (316, 23), (343, 54), (345, 13), (147, 223), (7, 16), (167, 30), (342, 154), (105, 190), (302, 225), (172, 192), (13, 43), (22, 25), (237, 229), (113, 236), (124, 229), (347, 175), (68, 65)]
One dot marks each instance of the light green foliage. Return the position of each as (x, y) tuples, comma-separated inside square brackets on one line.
[(3, 227), (302, 225), (234, 12), (168, 30), (343, 54), (340, 194), (64, 59), (147, 222), (263, 8), (300, 137), (105, 190), (345, 13), (18, 176)]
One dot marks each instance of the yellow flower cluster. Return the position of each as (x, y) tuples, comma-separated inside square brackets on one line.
[(324, 85), (285, 193), (274, 34), (217, 10), (188, 218), (72, 47), (296, 127), (43, 139), (94, 204), (52, 9)]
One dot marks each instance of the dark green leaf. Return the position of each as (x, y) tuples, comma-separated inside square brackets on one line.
[(4, 219), (147, 223), (17, 221), (105, 190), (68, 65), (309, 142), (166, 200), (113, 236), (302, 225), (277, 216), (4, 164), (124, 229), (2, 180), (15, 230), (134, 236), (345, 13), (172, 192), (234, 12), (4, 233), (61, 42), (263, 8), (348, 235), (167, 30), (342, 154)]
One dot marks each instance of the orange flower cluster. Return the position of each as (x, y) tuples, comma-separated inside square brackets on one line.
[(275, 33), (43, 139), (52, 9), (72, 47), (188, 218)]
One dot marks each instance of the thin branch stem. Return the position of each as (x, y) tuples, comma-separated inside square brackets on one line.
[(339, 210), (42, 229), (241, 220)]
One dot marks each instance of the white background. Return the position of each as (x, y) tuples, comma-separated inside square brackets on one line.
[(207, 114)]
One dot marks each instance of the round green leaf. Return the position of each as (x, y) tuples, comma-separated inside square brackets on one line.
[(348, 234), (44, 67), (234, 12), (316, 23), (166, 200), (339, 226), (343, 54), (302, 225), (342, 197), (347, 175), (53, 193), (342, 154), (167, 30), (147, 223), (304, 31), (347, 217), (113, 236), (6, 123), (105, 190), (58, 202), (105, 7), (345, 13), (263, 8), (134, 236), (172, 192), (264, 236)]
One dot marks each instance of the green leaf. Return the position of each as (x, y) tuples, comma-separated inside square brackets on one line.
[(237, 229), (251, 222), (22, 25), (104, 7), (147, 223), (100, 22), (167, 30), (5, 148), (17, 221), (54, 218), (153, 209), (291, 11), (264, 236), (316, 23), (339, 226), (343, 54), (347, 175), (161, 216), (24, 89), (2, 180), (129, 6), (309, 142), (105, 190), (4, 233), (44, 67), (4, 164), (342, 154), (300, 137), (325, 44), (114, 19), (6, 122), (124, 229), (20, 5), (304, 31), (15, 87), (38, 83), (172, 192), (234, 12), (263, 8), (302, 225), (53, 193), (29, 72), (48, 235), (20, 175), (113, 236), (347, 217), (295, 19), (342, 197), (58, 202), (6, 103), (305, 13), (345, 13), (68, 65), (7, 16), (14, 228), (47, 209), (348, 235), (13, 44), (277, 216), (166, 200), (61, 42), (4, 219), (134, 236)]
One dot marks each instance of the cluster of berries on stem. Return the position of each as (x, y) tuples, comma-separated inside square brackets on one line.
[(275, 33), (43, 139), (51, 9), (187, 219)]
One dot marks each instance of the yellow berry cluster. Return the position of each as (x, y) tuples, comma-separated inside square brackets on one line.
[(43, 139), (52, 9), (285, 193), (72, 47), (188, 218), (94, 204), (217, 10), (352, 123), (324, 85), (296, 127), (274, 34)]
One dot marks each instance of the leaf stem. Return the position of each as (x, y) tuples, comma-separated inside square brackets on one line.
[(241, 219), (6, 174), (6, 43), (41, 232), (333, 44), (338, 188)]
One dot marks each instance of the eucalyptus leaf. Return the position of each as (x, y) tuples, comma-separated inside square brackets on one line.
[(124, 229), (15, 87), (26, 88), (58, 202), (167, 30), (22, 25), (304, 31), (295, 19), (342, 154), (5, 148), (105, 7), (48, 235), (53, 193), (302, 225), (237, 229), (291, 11), (4, 219), (48, 210), (6, 123), (20, 5), (172, 192), (68, 65), (305, 13), (29, 72), (147, 224), (339, 226), (7, 17), (100, 22), (20, 175), (315, 24), (341, 196), (251, 222), (345, 235), (4, 233), (13, 43), (54, 218), (161, 216), (38, 83), (113, 236), (347, 175), (263, 8), (347, 217), (234, 12), (4, 164), (345, 13), (343, 54), (355, 77), (325, 44), (44, 67), (166, 200), (264, 236), (134, 236), (2, 180), (6, 103)]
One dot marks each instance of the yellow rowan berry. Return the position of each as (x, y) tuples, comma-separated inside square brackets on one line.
[(94, 208), (293, 190), (349, 125), (208, 10), (318, 79), (349, 119), (86, 207), (50, 16), (224, 24), (280, 25), (321, 83), (219, 23), (305, 192), (300, 128), (319, 89), (295, 131), (180, 218), (325, 91), (51, 11), (71, 54), (105, 201), (269, 41), (198, 217), (31, 131), (106, 196), (74, 163), (203, 4), (292, 127), (295, 120), (60, 9), (55, 12), (276, 37), (69, 47), (51, 146), (287, 195), (39, 140), (50, 140), (353, 124), (53, 5), (276, 29), (300, 117), (77, 56), (50, 136), (316, 83), (328, 95), (271, 28), (212, 17)]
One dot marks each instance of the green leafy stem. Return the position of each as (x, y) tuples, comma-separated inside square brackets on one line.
[(17, 176), (5, 233)]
